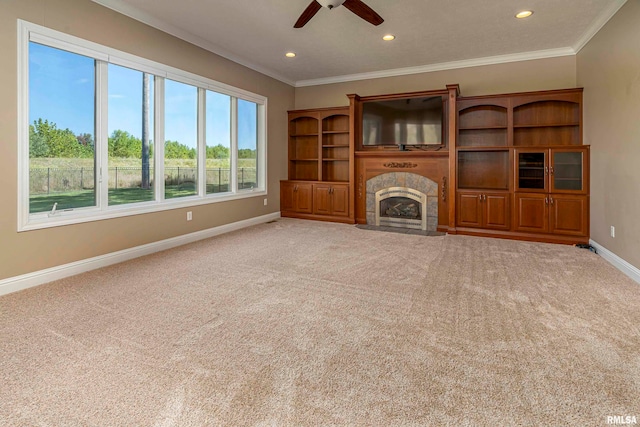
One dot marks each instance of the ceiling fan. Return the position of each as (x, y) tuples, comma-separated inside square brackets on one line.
[(355, 6)]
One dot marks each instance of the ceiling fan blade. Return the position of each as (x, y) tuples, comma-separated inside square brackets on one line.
[(363, 11), (308, 13)]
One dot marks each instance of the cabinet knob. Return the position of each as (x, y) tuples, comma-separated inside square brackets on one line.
[(546, 170), (295, 187), (551, 199), (551, 170), (546, 200)]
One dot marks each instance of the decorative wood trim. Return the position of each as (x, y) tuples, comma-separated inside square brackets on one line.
[(454, 93), (398, 165), (443, 189)]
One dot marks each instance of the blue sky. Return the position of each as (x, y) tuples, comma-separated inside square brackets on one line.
[(62, 90)]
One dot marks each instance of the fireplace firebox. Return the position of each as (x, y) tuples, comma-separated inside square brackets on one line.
[(401, 207)]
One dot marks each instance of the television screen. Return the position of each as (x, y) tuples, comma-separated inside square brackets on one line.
[(408, 121)]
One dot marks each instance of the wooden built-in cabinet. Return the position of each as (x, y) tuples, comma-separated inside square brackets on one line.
[(320, 165), (296, 197), (513, 165), (483, 210), (521, 169), (331, 199), (552, 190), (559, 214), (556, 169)]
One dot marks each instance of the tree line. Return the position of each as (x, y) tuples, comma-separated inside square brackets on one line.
[(46, 140)]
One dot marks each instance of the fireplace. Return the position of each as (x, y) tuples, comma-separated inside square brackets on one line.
[(401, 207), (402, 199)]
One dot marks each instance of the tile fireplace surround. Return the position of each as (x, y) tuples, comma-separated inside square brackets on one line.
[(403, 179)]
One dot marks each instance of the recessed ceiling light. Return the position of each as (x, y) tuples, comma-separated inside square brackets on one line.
[(389, 37), (290, 55), (524, 14)]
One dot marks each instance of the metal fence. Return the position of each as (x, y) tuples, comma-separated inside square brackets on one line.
[(62, 180)]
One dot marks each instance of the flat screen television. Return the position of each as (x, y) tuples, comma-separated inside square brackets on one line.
[(402, 122)]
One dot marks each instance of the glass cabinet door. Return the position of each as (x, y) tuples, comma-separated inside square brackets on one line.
[(532, 172), (567, 170)]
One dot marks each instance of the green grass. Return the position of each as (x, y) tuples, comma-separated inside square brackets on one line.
[(76, 198), (85, 198)]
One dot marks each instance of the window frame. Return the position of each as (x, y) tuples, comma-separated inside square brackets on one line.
[(29, 32)]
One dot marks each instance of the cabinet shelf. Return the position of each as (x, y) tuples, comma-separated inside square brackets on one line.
[(302, 135), (335, 160), (489, 136), (545, 125), (481, 127), (334, 132), (481, 148), (334, 146), (304, 160)]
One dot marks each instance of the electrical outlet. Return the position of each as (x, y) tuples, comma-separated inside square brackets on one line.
[(189, 216), (613, 231), (265, 202)]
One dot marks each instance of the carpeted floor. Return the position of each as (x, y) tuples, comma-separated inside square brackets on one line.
[(302, 323)]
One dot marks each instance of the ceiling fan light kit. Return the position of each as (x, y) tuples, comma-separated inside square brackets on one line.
[(330, 4), (355, 6)]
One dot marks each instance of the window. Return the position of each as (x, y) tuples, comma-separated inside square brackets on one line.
[(61, 130), (130, 142), (181, 140), (218, 142), (91, 119), (247, 144)]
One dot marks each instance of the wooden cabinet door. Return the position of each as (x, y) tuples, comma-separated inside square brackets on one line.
[(287, 196), (496, 212), (531, 170), (568, 170), (296, 197), (304, 198), (469, 210), (531, 212), (568, 214), (340, 200), (322, 199)]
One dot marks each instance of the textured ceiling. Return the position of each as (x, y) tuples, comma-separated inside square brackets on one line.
[(337, 45)]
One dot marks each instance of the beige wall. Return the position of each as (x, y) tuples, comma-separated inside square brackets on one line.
[(609, 69), (26, 252), (540, 74)]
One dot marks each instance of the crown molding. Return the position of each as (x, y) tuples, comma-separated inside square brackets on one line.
[(490, 60), (134, 13), (598, 24)]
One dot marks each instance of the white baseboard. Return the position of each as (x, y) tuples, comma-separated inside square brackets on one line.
[(617, 262), (18, 283)]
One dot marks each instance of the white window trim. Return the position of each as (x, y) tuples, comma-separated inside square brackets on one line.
[(28, 32)]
